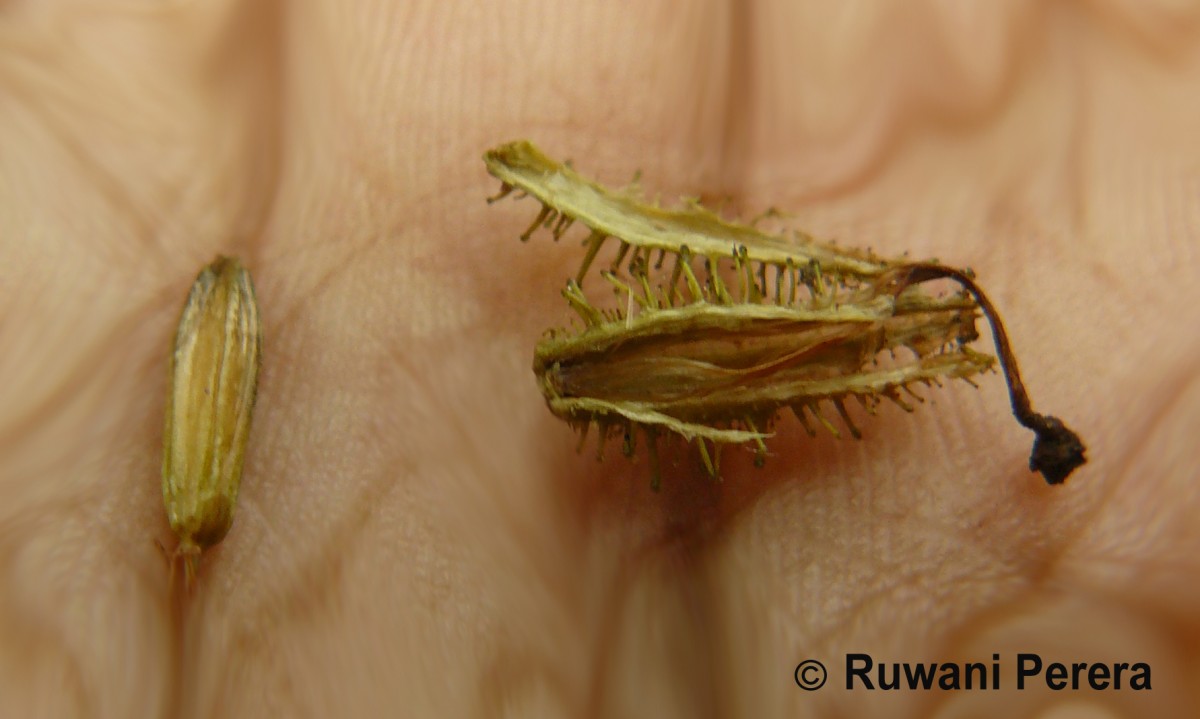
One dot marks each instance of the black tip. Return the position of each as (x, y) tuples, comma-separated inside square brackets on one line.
[(1057, 451)]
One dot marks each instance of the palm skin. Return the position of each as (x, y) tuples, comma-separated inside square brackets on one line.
[(415, 532)]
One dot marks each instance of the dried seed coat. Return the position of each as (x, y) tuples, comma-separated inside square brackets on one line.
[(210, 399)]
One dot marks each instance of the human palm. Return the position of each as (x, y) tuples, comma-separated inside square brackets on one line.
[(415, 533)]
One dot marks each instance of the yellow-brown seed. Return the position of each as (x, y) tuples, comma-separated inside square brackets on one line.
[(210, 399)]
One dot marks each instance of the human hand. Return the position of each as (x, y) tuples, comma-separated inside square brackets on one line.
[(415, 532)]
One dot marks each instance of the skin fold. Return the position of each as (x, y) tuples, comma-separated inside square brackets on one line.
[(415, 534)]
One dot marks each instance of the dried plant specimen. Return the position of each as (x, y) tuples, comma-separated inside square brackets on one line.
[(723, 325), (212, 386)]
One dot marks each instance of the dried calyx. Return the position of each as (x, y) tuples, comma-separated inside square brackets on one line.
[(719, 326)]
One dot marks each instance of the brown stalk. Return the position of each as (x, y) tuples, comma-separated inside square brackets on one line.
[(1057, 450)]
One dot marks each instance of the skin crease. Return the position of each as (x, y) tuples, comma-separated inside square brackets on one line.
[(415, 533)]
